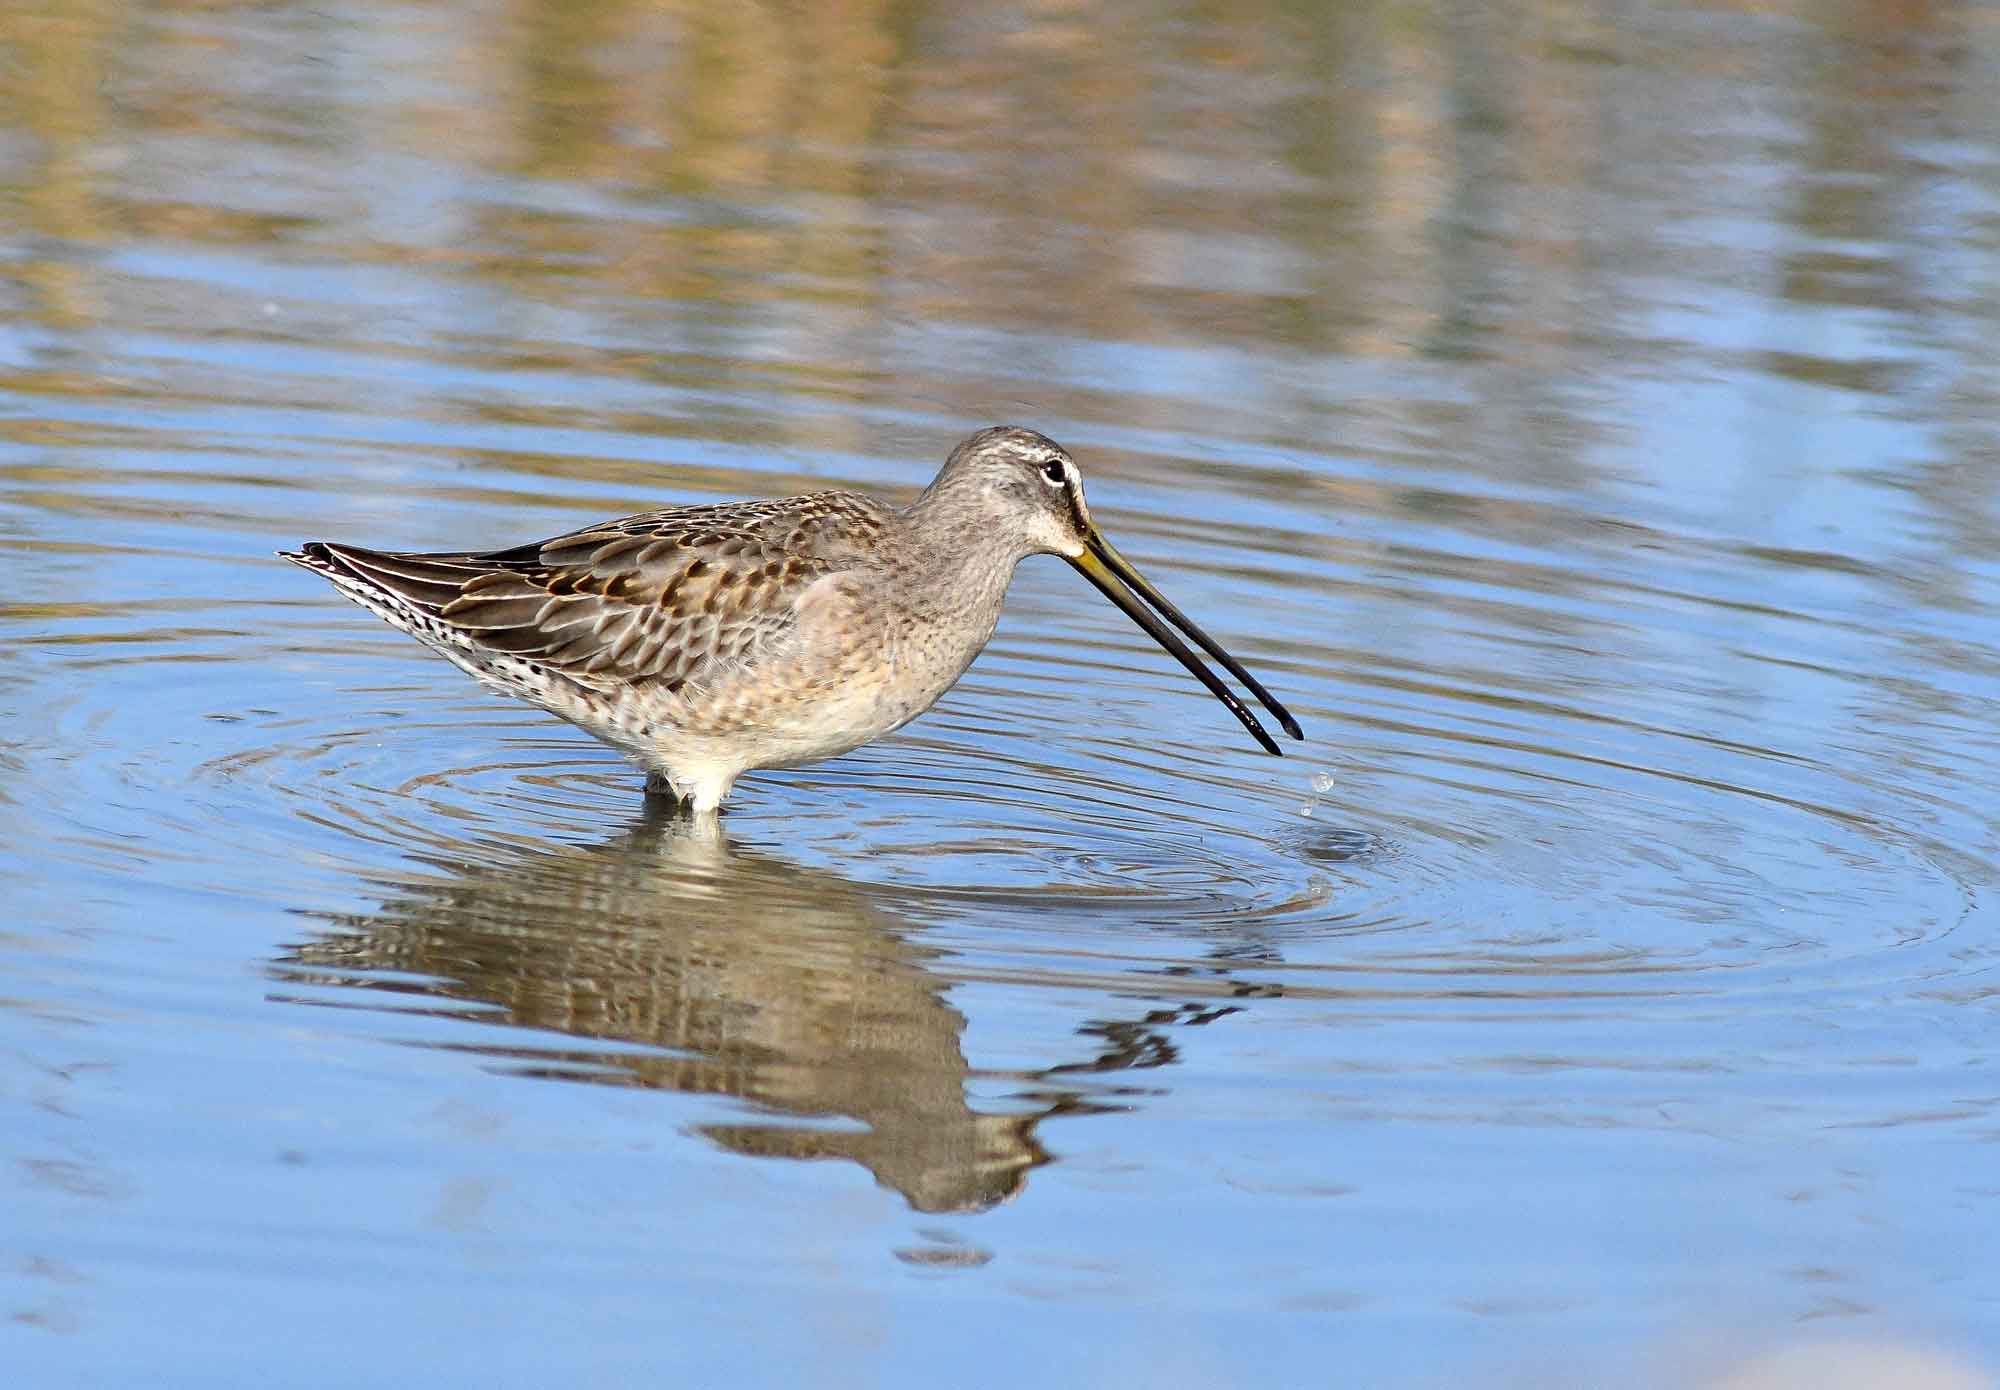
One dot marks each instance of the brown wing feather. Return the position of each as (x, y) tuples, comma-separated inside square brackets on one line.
[(669, 597)]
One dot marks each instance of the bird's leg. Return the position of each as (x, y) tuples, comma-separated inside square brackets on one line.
[(696, 806)]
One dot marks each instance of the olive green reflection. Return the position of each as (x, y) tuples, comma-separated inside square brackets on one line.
[(754, 977)]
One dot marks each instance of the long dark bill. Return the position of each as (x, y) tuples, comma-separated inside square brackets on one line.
[(1112, 573)]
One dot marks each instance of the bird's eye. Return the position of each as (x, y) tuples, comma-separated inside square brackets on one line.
[(1054, 474)]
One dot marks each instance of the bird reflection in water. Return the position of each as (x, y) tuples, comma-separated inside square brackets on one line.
[(752, 977)]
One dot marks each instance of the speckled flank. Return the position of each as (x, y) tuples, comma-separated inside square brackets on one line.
[(706, 641)]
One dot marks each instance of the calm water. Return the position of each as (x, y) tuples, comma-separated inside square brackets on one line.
[(1585, 417)]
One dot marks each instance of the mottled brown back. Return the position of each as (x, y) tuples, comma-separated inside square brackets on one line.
[(663, 598)]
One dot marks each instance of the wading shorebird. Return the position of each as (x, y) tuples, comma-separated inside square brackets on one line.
[(707, 641)]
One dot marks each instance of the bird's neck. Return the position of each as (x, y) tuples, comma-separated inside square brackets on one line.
[(966, 558)]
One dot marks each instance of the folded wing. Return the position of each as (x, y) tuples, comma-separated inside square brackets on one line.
[(669, 598)]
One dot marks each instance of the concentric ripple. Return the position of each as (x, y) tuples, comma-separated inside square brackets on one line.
[(1555, 812), (1414, 843)]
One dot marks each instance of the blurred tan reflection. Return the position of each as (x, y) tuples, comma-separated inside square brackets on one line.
[(1852, 1363), (781, 985)]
